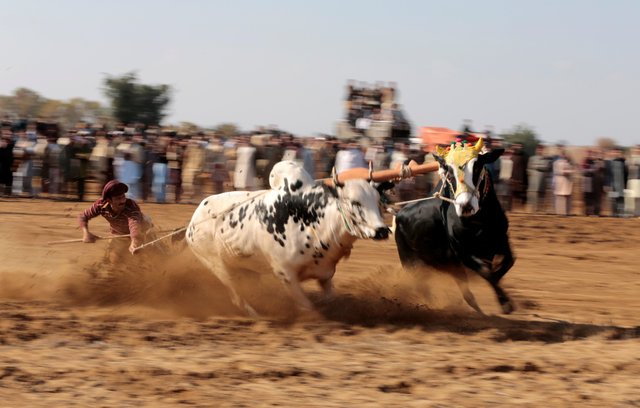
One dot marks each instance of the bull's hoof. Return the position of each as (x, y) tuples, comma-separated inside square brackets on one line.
[(507, 307), (251, 311)]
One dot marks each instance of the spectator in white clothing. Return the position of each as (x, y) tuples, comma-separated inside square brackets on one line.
[(349, 157), (244, 177), (563, 183)]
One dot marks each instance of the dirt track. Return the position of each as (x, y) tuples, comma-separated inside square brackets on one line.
[(166, 334)]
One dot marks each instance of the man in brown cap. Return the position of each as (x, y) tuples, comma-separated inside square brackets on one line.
[(123, 215)]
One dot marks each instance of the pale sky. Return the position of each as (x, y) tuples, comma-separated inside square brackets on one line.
[(569, 69)]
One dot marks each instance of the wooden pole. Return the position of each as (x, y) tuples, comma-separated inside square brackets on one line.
[(384, 175), (70, 241)]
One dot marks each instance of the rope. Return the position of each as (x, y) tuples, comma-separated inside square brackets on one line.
[(405, 172), (347, 225), (98, 237), (179, 230), (401, 203), (436, 195)]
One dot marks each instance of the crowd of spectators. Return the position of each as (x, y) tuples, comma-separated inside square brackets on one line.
[(164, 165), (603, 180)]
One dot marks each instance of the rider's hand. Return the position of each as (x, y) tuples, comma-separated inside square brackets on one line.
[(133, 247), (89, 238)]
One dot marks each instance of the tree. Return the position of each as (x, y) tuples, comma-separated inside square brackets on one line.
[(24, 103), (133, 102), (606, 143), (52, 110), (226, 130), (28, 104), (525, 135), (188, 127), (6, 106)]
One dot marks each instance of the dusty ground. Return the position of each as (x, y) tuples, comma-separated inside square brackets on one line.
[(165, 334)]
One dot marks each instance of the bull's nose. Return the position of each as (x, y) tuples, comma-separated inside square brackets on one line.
[(467, 209), (381, 233)]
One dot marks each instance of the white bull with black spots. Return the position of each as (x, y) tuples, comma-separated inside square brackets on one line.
[(298, 230)]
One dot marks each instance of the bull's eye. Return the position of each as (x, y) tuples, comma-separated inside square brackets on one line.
[(356, 204)]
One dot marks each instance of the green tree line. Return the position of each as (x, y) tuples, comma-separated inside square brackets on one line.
[(130, 102), (25, 103)]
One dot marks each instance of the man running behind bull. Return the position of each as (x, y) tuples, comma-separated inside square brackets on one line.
[(123, 215)]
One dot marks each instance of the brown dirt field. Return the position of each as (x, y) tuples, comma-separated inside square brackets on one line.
[(164, 333)]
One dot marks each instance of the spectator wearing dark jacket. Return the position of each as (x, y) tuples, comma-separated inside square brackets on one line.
[(539, 167), (6, 162), (519, 175), (593, 174), (616, 180)]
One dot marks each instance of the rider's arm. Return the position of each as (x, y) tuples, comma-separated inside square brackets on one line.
[(83, 220), (136, 231)]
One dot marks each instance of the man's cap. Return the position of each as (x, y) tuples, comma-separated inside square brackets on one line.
[(113, 188)]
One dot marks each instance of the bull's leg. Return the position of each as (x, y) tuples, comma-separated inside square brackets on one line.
[(501, 265), (503, 298), (290, 280), (221, 272), (298, 295), (225, 278), (461, 278), (327, 288), (493, 279), (238, 301), (408, 256)]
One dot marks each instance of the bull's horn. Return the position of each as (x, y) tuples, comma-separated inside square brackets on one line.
[(478, 145), (370, 170)]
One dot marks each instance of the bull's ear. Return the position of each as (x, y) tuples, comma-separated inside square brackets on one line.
[(491, 156), (440, 160), (384, 186)]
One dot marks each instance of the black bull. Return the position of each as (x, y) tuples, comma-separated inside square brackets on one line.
[(431, 233)]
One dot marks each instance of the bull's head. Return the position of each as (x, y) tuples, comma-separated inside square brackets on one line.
[(359, 206), (462, 167)]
